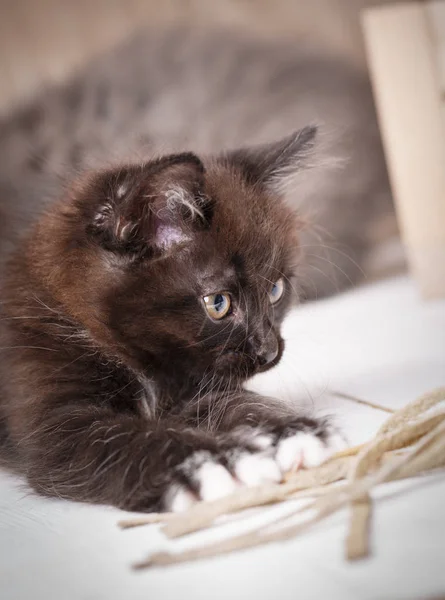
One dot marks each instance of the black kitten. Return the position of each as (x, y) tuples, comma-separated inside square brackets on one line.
[(134, 312), (135, 306)]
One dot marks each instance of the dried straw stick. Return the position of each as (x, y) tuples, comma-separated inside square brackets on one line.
[(361, 401), (357, 541), (413, 410), (149, 519), (368, 469)]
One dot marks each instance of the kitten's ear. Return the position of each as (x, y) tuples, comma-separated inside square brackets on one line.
[(274, 163), (153, 207)]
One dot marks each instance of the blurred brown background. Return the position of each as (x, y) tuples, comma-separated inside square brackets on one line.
[(45, 40)]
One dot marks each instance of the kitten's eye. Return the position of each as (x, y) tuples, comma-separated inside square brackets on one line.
[(277, 291), (218, 305)]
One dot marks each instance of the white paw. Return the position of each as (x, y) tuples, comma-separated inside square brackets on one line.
[(305, 450), (255, 469), (262, 441), (209, 480), (212, 480), (178, 499)]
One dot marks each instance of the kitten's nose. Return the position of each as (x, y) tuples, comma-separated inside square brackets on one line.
[(267, 357), (268, 351)]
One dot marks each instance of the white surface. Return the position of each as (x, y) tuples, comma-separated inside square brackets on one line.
[(379, 343)]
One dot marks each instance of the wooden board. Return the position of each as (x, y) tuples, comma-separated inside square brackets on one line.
[(402, 59), (436, 21)]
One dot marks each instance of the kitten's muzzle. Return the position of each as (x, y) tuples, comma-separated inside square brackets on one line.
[(267, 350), (255, 355), (267, 356)]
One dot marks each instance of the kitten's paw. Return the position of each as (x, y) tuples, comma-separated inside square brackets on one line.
[(262, 457), (199, 477), (304, 450), (306, 443), (204, 476), (255, 469)]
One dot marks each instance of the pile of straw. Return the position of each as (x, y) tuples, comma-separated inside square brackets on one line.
[(409, 443)]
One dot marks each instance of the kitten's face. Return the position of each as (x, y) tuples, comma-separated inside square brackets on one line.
[(212, 305), (185, 270)]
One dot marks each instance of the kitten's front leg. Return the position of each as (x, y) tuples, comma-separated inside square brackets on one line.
[(85, 452), (269, 441), (89, 453)]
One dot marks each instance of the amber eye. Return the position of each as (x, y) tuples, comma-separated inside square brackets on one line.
[(218, 305), (277, 291)]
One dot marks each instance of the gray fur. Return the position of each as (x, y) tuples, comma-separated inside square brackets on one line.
[(211, 92)]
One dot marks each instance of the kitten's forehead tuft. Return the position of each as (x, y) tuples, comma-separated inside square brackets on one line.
[(121, 190), (253, 228), (177, 196)]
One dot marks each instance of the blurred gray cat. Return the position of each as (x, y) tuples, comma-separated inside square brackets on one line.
[(210, 91)]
